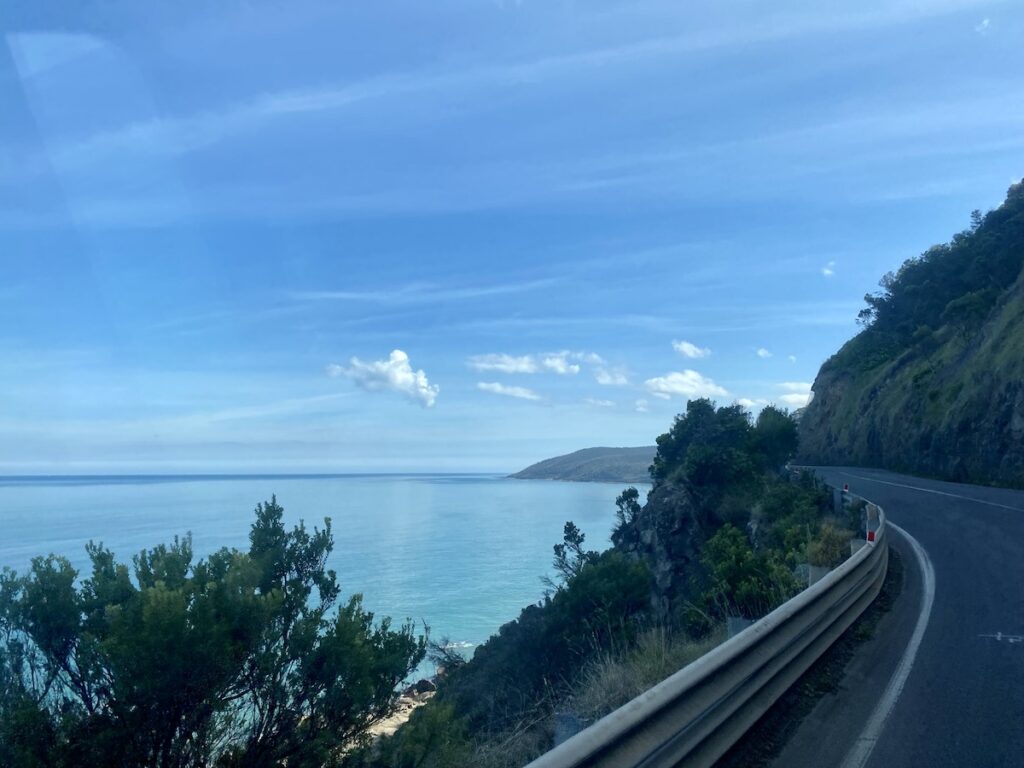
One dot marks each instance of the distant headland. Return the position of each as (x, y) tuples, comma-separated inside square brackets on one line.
[(607, 465)]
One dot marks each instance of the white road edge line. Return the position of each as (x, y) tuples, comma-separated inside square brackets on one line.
[(932, 490), (858, 755)]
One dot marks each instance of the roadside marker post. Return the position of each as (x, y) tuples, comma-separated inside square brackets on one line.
[(871, 522)]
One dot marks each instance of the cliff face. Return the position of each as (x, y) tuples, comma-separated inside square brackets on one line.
[(667, 536), (935, 391)]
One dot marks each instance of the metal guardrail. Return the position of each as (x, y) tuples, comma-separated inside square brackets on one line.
[(692, 718)]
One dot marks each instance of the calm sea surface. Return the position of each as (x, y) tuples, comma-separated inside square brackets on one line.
[(463, 552)]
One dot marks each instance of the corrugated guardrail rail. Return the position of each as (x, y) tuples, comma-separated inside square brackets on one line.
[(692, 718)]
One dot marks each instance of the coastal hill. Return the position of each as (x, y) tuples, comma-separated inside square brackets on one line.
[(934, 383), (610, 465)]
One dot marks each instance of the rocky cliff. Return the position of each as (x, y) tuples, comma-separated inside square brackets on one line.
[(934, 384), (667, 535)]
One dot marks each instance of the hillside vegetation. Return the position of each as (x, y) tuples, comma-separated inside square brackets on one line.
[(934, 383), (601, 465), (724, 532)]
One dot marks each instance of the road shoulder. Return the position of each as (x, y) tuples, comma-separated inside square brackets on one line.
[(817, 721)]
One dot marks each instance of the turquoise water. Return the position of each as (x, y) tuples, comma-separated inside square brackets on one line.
[(463, 552)]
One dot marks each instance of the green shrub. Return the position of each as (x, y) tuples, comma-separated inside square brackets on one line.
[(241, 658), (830, 547)]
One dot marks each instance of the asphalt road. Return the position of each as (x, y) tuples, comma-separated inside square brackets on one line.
[(962, 704)]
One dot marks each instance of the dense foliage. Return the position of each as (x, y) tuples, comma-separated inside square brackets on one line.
[(238, 659), (598, 629), (957, 284), (717, 447), (505, 694), (759, 523), (934, 382)]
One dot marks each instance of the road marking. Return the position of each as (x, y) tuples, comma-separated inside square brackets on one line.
[(931, 490), (1011, 639), (858, 755)]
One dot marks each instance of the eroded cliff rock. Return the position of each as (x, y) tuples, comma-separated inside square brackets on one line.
[(667, 535)]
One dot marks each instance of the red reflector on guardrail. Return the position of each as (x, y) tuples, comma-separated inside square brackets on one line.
[(871, 536)]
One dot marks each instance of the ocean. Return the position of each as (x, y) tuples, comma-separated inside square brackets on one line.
[(462, 553)]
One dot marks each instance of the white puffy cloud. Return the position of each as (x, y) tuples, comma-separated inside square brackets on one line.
[(688, 349), (503, 363), (558, 362), (394, 374), (500, 389), (563, 363), (752, 404), (688, 383), (599, 403), (640, 406), (797, 393), (796, 399), (614, 377), (763, 353), (829, 269)]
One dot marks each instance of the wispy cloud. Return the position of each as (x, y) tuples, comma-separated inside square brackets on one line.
[(598, 403), (914, 129), (641, 406), (688, 349), (829, 269), (421, 293), (564, 363), (187, 133), (611, 377), (503, 363), (982, 26), (688, 383), (494, 387), (763, 353), (559, 363), (394, 374), (286, 407)]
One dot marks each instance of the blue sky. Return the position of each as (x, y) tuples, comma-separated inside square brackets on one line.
[(319, 236)]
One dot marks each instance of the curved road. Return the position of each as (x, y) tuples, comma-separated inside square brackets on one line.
[(962, 703)]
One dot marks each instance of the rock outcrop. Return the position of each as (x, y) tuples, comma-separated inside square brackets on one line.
[(667, 536), (954, 412)]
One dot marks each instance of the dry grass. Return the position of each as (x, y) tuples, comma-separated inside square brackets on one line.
[(610, 681)]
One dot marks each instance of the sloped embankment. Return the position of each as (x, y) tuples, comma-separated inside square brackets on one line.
[(934, 385)]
